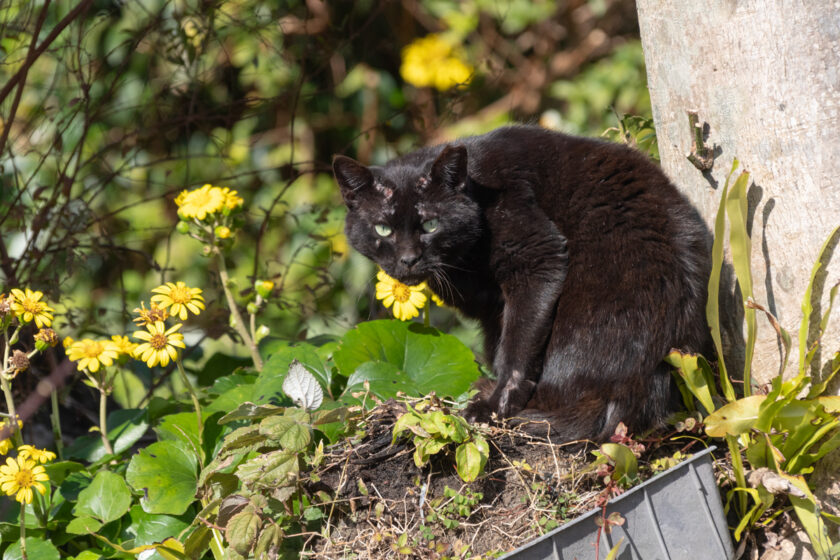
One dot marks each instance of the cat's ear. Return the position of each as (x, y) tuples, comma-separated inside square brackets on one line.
[(353, 178), (450, 167)]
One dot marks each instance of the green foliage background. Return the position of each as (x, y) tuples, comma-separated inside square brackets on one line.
[(133, 102)]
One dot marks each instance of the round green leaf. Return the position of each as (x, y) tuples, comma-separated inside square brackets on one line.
[(35, 548), (148, 528), (735, 418), (383, 378), (106, 499), (431, 360), (83, 526), (166, 473)]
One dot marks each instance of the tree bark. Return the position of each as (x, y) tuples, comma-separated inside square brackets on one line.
[(764, 79)]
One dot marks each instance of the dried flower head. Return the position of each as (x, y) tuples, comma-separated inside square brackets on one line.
[(150, 316), (45, 338), (18, 362)]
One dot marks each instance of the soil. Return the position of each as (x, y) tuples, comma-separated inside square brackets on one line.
[(386, 507)]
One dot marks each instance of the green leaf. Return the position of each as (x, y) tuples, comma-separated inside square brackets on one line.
[(807, 307), (270, 470), (148, 528), (469, 461), (431, 360), (314, 359), (626, 467), (166, 473), (250, 411), (241, 531), (713, 300), (291, 434), (36, 548), (695, 371), (125, 428), (740, 246), (60, 470), (106, 499), (83, 526), (384, 379), (182, 426), (735, 418), (219, 365), (241, 440)]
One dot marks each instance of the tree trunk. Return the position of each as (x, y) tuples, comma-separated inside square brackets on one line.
[(764, 78)]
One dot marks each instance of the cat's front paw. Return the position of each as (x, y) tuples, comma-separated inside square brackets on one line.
[(479, 410)]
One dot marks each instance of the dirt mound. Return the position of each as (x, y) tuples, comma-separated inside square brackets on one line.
[(386, 507)]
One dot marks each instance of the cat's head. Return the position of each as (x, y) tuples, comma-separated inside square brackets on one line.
[(414, 217)]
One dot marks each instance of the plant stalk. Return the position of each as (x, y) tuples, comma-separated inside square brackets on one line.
[(185, 380), (55, 420), (23, 531), (103, 421), (239, 323)]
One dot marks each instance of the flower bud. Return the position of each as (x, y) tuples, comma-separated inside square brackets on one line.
[(222, 232), (264, 287), (262, 332), (183, 227), (252, 308)]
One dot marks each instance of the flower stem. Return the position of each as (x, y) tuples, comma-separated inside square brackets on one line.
[(23, 531), (103, 421), (426, 310), (55, 420), (7, 390), (239, 324), (185, 380)]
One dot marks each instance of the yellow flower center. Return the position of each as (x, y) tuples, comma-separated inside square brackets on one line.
[(158, 341), (199, 197), (92, 349), (401, 292), (180, 294), (32, 306), (24, 478)]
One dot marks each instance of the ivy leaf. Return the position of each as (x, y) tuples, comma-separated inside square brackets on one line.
[(166, 472), (106, 499), (302, 387)]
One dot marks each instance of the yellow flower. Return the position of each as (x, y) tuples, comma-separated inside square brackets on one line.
[(123, 345), (28, 306), (178, 298), (200, 202), (67, 341), (407, 300), (150, 316), (6, 444), (432, 61), (37, 455), (436, 299), (91, 354), (160, 344), (19, 476), (222, 232), (232, 199)]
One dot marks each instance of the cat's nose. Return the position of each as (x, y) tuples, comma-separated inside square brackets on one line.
[(409, 259)]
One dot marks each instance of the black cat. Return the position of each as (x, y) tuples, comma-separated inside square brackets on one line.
[(583, 263)]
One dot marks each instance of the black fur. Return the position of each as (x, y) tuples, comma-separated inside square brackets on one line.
[(583, 263)]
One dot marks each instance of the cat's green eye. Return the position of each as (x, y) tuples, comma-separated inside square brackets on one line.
[(429, 226), (382, 230)]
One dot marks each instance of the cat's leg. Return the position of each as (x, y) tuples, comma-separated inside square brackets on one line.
[(530, 260)]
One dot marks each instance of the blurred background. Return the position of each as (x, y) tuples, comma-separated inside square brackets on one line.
[(132, 102)]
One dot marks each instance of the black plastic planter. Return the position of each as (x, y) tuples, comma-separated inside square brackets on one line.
[(676, 515)]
